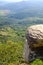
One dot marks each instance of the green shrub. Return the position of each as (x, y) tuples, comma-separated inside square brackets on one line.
[(37, 62)]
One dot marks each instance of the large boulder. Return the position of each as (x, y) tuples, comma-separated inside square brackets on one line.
[(34, 35), (33, 47)]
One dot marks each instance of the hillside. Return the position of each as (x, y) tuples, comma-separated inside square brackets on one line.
[(14, 20)]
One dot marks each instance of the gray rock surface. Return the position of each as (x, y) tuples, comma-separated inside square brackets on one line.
[(34, 35), (34, 43), (35, 31)]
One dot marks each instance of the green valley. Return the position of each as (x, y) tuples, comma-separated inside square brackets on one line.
[(14, 20)]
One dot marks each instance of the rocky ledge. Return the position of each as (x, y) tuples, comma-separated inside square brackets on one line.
[(33, 47)]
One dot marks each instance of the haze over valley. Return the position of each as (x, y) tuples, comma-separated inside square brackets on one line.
[(15, 17)]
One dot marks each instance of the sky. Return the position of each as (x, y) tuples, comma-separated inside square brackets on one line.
[(12, 0), (19, 0)]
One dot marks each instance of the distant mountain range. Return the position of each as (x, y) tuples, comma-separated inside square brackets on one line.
[(23, 9), (18, 6)]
